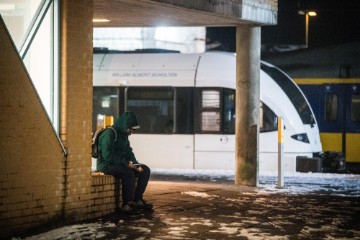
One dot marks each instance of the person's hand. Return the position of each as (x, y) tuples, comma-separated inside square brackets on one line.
[(136, 168), (131, 165)]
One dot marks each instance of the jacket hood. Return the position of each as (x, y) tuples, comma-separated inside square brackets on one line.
[(125, 121)]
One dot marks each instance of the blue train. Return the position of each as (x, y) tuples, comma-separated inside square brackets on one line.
[(336, 105)]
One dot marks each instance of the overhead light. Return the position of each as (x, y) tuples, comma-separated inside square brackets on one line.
[(301, 12), (101, 20), (310, 13), (7, 7)]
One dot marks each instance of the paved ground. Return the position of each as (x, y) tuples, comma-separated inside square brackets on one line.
[(189, 209)]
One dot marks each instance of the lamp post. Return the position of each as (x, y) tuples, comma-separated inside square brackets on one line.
[(307, 15)]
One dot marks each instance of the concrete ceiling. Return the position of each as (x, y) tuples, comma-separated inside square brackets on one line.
[(147, 13)]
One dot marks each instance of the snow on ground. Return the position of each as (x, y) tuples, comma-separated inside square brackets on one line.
[(77, 231), (296, 183), (199, 194)]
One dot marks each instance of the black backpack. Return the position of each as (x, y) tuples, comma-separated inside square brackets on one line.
[(95, 141)]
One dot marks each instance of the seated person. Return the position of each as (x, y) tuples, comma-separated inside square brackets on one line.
[(117, 158)]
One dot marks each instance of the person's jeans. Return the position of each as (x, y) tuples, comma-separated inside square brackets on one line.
[(127, 176)]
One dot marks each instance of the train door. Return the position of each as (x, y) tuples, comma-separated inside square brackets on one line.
[(330, 113), (352, 129), (215, 128), (340, 123)]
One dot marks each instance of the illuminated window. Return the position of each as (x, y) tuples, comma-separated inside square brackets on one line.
[(210, 121), (210, 112), (211, 99), (105, 103), (18, 16), (33, 26), (331, 107), (355, 107)]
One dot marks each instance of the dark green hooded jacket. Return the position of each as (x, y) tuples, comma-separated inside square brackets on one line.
[(119, 152)]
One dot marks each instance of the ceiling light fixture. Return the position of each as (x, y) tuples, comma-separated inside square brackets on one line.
[(100, 20), (312, 13)]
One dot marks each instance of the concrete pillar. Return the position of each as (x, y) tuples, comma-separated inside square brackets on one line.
[(247, 105)]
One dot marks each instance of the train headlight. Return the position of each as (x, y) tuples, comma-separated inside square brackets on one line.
[(302, 137)]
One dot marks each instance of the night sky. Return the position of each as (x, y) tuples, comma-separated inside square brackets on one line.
[(337, 22)]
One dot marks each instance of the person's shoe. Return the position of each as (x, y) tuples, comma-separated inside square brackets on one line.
[(142, 204), (126, 208)]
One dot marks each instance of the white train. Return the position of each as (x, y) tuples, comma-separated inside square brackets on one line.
[(185, 105)]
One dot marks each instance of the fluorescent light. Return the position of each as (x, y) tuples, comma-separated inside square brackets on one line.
[(301, 12), (101, 20), (7, 7)]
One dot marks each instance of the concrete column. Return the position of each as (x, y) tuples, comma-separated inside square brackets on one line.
[(247, 105)]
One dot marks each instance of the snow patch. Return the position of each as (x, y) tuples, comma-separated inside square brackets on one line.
[(78, 231), (294, 183), (200, 194)]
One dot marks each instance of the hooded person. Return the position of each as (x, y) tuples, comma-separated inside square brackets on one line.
[(117, 158)]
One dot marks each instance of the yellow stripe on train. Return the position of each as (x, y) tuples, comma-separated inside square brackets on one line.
[(353, 147), (333, 142), (318, 81)]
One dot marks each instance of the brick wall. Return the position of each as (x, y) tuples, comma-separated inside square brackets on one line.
[(105, 195), (76, 104), (39, 183), (32, 159)]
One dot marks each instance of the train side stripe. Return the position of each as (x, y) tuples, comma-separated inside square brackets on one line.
[(318, 81), (331, 141), (352, 147)]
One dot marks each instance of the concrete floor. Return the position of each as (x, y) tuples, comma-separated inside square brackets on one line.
[(200, 209)]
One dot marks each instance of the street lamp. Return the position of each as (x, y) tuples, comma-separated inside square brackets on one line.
[(307, 15)]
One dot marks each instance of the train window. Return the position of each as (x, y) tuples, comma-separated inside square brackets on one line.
[(229, 111), (211, 99), (105, 102), (355, 107), (210, 121), (293, 92), (331, 107), (154, 108), (210, 111), (184, 110), (268, 119)]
